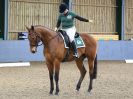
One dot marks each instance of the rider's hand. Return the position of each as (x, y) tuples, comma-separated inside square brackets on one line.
[(91, 21), (55, 29)]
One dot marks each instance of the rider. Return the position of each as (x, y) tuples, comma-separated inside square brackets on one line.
[(66, 21)]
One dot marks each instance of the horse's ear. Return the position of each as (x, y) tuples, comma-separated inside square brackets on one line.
[(27, 28), (32, 27)]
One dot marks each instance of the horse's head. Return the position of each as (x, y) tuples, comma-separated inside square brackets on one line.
[(34, 38)]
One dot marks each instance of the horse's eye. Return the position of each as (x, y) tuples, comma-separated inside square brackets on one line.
[(33, 38)]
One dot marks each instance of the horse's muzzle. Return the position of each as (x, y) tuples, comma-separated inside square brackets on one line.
[(33, 49)]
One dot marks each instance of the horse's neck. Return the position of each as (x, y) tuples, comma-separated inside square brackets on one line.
[(47, 35)]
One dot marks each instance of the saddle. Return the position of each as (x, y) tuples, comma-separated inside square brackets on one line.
[(66, 38)]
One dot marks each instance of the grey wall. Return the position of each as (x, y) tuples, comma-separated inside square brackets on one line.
[(115, 50), (15, 51)]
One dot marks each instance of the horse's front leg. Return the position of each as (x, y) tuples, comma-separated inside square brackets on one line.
[(57, 69), (51, 69)]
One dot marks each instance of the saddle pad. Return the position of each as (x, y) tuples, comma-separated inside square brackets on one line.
[(64, 41), (79, 42)]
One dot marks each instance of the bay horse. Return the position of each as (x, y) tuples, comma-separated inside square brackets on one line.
[(54, 52)]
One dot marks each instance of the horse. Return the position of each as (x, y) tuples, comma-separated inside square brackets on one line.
[(54, 52)]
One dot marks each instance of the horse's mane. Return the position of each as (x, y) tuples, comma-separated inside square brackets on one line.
[(44, 27)]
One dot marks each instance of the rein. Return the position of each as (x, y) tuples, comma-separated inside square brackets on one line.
[(54, 37), (42, 42)]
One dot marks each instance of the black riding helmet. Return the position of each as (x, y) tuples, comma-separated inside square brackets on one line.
[(62, 7)]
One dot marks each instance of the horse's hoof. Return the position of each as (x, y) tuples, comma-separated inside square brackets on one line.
[(89, 90), (77, 89), (56, 93), (51, 93)]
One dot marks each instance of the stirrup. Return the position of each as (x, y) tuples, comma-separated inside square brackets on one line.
[(76, 55)]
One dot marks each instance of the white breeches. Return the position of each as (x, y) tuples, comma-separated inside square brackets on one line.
[(70, 32)]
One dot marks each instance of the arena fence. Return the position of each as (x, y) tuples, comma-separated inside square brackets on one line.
[(103, 12), (45, 12), (128, 19), (31, 12)]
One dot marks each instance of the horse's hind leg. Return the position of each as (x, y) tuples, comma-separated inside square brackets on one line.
[(82, 70), (95, 68), (91, 63)]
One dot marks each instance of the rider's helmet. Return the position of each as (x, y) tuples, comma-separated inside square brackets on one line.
[(62, 7)]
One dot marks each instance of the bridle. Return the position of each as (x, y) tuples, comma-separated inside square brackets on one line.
[(38, 39)]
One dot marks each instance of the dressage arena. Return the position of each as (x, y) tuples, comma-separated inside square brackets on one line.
[(114, 81), (112, 27)]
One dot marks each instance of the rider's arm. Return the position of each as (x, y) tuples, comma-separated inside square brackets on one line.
[(81, 19), (58, 24)]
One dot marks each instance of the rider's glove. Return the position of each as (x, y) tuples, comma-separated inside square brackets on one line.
[(55, 29), (91, 21)]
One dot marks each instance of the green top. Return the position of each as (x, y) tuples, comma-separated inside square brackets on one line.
[(67, 21)]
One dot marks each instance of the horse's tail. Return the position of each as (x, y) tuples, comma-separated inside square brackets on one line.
[(95, 68)]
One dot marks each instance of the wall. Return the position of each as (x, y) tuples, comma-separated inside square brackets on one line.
[(128, 19), (1, 19), (31, 12), (14, 51), (103, 12), (115, 50), (45, 12)]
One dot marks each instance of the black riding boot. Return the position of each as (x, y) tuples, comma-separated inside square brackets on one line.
[(74, 49)]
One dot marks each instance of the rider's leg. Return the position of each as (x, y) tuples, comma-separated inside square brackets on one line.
[(71, 33), (74, 49)]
